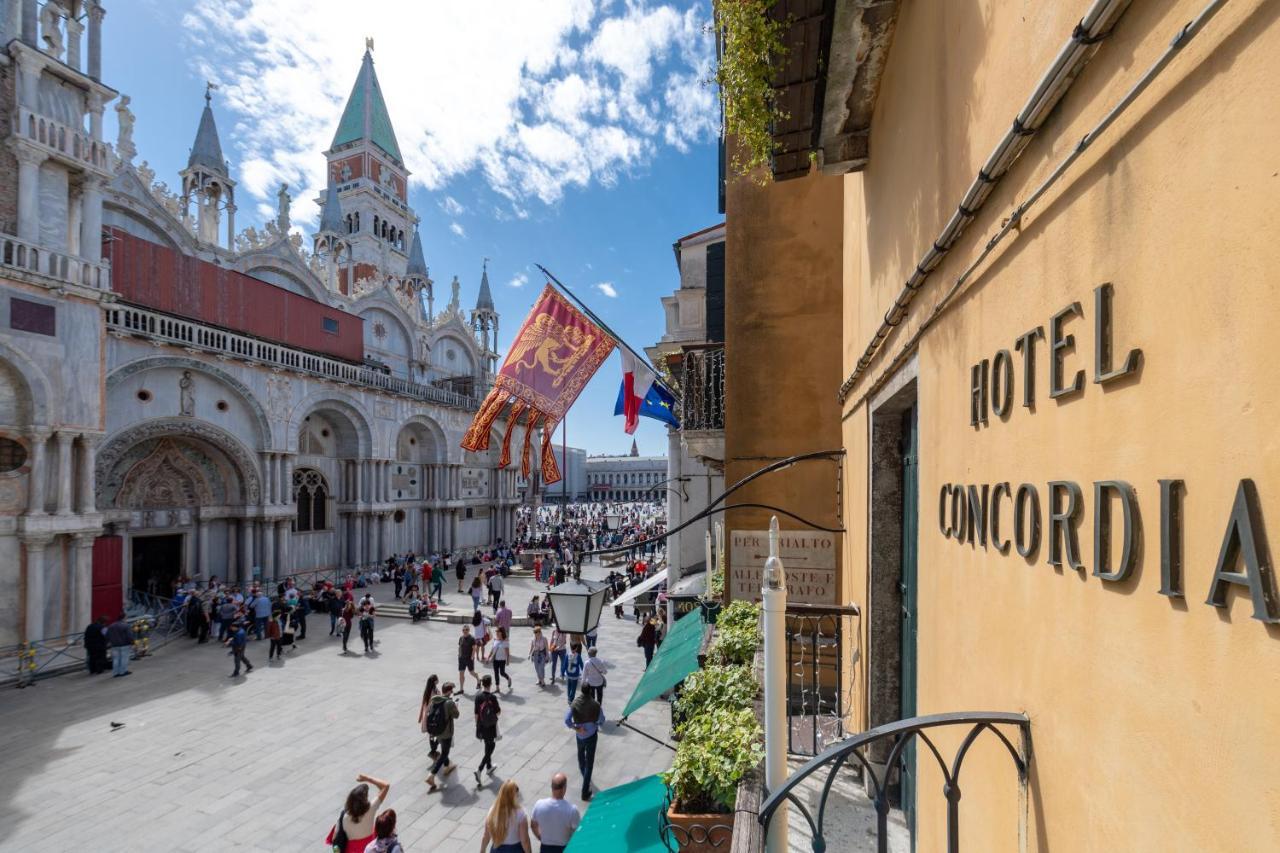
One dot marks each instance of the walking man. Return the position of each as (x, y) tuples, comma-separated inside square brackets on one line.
[(593, 675), (367, 610), (120, 639), (437, 581), (460, 569), (466, 659), (496, 586), (487, 711), (555, 819), (585, 717), (237, 641), (440, 716), (261, 606)]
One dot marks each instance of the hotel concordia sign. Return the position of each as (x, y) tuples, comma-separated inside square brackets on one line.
[(975, 514)]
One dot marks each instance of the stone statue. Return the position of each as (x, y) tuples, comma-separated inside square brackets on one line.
[(124, 141), (51, 28), (455, 301), (283, 200), (186, 395)]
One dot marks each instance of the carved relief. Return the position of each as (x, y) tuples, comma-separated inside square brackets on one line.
[(115, 450), (186, 395), (384, 409), (166, 478), (279, 396)]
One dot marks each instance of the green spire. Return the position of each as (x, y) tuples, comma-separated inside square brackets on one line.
[(366, 114)]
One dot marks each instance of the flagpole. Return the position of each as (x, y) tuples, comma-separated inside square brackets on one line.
[(608, 331)]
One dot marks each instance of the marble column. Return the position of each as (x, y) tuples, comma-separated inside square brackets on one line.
[(37, 476), (88, 477), (95, 39), (202, 548), (29, 160), (82, 582), (283, 536), (231, 570), (35, 589), (268, 559), (453, 528), (75, 30), (287, 485), (424, 540), (248, 541), (358, 524), (65, 440)]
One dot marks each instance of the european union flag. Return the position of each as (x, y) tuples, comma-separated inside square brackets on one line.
[(658, 404)]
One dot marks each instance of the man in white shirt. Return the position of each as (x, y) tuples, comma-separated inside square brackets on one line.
[(593, 675), (554, 819)]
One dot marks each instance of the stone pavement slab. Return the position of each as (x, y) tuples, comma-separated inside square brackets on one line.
[(204, 762)]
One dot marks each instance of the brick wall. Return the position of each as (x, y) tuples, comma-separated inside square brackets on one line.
[(8, 165)]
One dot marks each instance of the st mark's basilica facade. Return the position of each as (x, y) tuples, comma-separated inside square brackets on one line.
[(181, 398)]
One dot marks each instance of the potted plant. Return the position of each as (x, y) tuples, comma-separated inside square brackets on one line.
[(717, 749), (717, 686), (737, 634)]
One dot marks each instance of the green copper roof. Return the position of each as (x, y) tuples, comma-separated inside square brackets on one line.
[(366, 114)]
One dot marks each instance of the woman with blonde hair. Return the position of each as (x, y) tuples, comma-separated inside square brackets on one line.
[(506, 827)]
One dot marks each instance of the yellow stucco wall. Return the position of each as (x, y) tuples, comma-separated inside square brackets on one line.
[(1153, 719), (782, 344)]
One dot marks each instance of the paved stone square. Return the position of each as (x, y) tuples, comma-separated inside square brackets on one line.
[(262, 763)]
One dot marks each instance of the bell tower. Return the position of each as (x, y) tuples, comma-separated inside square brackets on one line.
[(368, 172), (206, 182)]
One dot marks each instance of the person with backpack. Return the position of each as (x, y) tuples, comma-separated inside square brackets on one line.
[(237, 640), (440, 716), (559, 653), (500, 656), (437, 582), (585, 717), (647, 640), (487, 711), (354, 829), (428, 693), (384, 830), (574, 670)]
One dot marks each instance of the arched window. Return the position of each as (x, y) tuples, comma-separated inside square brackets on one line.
[(357, 221), (376, 225), (311, 494)]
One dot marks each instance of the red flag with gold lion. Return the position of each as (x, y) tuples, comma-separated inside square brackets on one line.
[(552, 359)]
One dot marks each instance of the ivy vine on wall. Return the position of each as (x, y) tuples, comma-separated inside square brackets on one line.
[(750, 44)]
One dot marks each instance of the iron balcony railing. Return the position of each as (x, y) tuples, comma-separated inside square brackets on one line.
[(153, 325), (851, 754), (702, 387)]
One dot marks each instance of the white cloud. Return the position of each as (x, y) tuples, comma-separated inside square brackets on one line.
[(457, 228), (518, 280), (607, 289), (535, 97)]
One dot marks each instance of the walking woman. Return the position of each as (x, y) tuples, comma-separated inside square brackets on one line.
[(574, 672), (647, 640), (427, 692), (506, 827), (538, 654), (344, 623), (477, 591), (355, 827), (559, 653), (500, 656), (480, 627)]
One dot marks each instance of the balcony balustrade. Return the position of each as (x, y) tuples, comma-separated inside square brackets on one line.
[(26, 257), (151, 325)]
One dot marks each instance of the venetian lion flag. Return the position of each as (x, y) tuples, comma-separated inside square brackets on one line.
[(555, 354)]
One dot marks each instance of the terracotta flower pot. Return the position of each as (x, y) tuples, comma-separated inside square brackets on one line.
[(701, 833)]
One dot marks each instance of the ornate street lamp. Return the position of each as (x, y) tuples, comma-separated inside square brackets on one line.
[(576, 606)]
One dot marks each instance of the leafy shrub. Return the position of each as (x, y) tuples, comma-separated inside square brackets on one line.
[(716, 686), (739, 614), (719, 748)]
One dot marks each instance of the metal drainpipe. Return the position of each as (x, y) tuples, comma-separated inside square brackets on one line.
[(1082, 44)]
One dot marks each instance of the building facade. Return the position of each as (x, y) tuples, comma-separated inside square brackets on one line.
[(1055, 401), (182, 398), (692, 348), (626, 478)]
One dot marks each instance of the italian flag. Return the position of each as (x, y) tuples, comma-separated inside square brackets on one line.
[(637, 379)]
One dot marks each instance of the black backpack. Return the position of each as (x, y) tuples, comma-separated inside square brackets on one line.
[(437, 718), (488, 715)]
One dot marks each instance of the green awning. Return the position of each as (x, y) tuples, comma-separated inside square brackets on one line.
[(675, 659), (627, 817)]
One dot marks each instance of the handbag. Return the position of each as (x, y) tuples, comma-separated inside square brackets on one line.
[(338, 838)]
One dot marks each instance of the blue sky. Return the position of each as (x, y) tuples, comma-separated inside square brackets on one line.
[(578, 134)]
